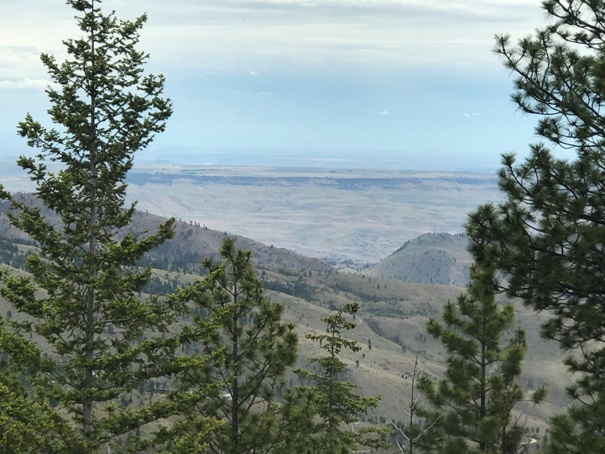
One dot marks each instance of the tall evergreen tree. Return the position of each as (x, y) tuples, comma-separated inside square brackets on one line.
[(336, 407), (473, 402), (81, 298), (258, 348), (546, 238)]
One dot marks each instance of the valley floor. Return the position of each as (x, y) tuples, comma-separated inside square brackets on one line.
[(339, 215)]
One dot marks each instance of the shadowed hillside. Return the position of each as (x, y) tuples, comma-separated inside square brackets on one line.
[(191, 243), (432, 258)]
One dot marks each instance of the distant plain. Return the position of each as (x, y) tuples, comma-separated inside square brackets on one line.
[(357, 215)]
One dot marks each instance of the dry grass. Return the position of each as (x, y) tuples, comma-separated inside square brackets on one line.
[(361, 215)]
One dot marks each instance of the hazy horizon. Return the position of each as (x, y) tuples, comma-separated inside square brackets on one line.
[(339, 159), (382, 84)]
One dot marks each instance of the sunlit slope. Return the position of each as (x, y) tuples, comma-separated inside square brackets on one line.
[(432, 258)]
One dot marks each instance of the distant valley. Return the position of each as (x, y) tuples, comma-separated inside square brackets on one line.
[(339, 215)]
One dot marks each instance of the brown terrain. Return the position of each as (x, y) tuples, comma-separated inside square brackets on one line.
[(351, 218)]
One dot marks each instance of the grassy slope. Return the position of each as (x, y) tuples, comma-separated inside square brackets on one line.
[(392, 317), (432, 258)]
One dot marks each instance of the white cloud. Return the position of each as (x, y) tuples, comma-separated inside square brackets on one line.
[(268, 34), (24, 84), (471, 115), (384, 113)]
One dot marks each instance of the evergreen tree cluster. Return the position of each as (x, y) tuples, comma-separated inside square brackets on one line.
[(11, 254), (543, 245), (95, 361), (545, 240), (472, 407)]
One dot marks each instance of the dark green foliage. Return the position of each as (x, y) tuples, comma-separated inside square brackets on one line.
[(189, 431), (546, 238), (337, 408), (30, 426), (559, 73), (10, 254), (299, 289), (257, 347), (82, 297), (474, 400), (26, 424)]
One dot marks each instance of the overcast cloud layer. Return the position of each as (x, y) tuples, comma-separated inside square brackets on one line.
[(408, 80)]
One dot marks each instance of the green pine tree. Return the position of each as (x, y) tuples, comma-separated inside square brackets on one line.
[(473, 402), (257, 350), (28, 425), (337, 408), (546, 237), (81, 299)]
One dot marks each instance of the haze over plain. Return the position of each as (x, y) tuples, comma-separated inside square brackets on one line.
[(406, 84)]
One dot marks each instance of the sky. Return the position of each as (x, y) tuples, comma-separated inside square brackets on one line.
[(367, 83)]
